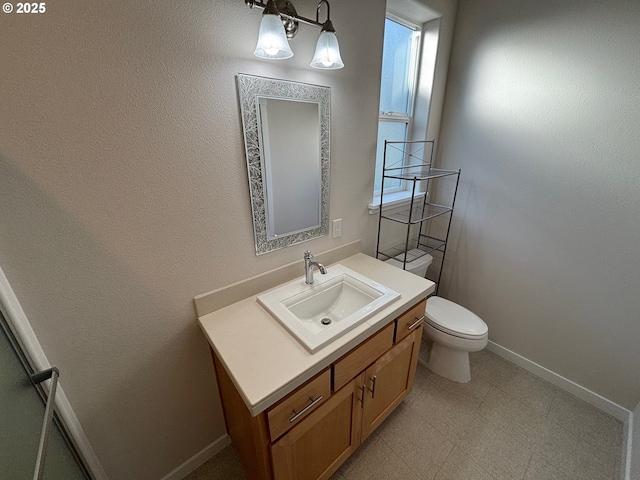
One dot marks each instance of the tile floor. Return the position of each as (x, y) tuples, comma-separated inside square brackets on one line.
[(504, 424)]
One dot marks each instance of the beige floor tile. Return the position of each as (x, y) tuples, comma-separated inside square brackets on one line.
[(425, 348), (592, 425), (224, 466), (494, 449), (491, 367), (448, 412), (591, 464), (530, 390), (556, 445), (477, 387), (570, 454), (420, 382), (380, 463), (459, 466), (616, 470), (524, 423), (540, 469), (361, 452), (337, 476), (415, 441)]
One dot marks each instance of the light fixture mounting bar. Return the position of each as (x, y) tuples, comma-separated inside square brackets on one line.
[(298, 18)]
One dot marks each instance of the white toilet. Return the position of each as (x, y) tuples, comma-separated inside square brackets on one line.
[(419, 265), (455, 332)]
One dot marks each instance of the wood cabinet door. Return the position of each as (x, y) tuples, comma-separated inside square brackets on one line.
[(319, 444), (388, 381)]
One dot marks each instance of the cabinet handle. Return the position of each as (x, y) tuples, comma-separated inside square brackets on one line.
[(373, 387), (305, 409), (362, 389), (417, 322)]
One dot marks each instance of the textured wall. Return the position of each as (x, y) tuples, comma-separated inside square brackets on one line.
[(123, 193), (542, 116)]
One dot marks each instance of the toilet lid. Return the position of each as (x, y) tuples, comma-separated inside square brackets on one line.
[(454, 319)]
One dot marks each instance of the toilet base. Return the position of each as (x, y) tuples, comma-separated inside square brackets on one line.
[(449, 363)]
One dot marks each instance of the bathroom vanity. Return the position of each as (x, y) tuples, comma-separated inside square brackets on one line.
[(292, 414)]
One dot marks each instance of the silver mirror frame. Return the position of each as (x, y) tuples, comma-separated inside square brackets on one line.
[(249, 89)]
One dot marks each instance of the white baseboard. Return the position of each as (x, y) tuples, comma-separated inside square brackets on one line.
[(627, 448), (559, 381), (199, 458)]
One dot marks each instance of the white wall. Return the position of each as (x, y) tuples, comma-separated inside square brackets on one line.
[(124, 193), (542, 116)]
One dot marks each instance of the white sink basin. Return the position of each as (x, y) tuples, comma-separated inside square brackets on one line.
[(336, 302)]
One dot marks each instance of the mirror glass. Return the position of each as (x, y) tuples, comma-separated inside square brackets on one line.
[(286, 133), (290, 144)]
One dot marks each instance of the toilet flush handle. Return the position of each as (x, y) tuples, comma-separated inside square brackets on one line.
[(417, 322)]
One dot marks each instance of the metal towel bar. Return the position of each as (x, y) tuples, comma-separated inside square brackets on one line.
[(39, 377)]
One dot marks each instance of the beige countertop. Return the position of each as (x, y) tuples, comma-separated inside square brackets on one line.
[(265, 362)]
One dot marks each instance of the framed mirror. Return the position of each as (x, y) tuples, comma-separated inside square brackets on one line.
[(286, 137)]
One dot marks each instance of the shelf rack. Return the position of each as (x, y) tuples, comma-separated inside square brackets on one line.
[(416, 174)]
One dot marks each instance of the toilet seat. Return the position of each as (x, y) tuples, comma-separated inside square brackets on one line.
[(453, 319)]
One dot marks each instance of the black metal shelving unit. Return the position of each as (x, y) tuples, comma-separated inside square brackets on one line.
[(416, 158)]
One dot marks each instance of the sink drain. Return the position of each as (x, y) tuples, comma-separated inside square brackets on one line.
[(325, 321)]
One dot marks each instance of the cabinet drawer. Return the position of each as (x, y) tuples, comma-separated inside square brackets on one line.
[(298, 404), (409, 318), (361, 357)]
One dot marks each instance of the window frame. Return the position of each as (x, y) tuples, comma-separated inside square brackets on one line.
[(395, 193)]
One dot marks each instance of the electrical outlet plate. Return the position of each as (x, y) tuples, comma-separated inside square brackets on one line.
[(337, 228)]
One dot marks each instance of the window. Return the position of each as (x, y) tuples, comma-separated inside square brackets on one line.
[(399, 71)]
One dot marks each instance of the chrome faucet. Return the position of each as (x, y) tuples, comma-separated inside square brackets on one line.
[(308, 268)]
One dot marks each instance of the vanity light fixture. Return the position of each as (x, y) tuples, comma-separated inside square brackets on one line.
[(280, 22)]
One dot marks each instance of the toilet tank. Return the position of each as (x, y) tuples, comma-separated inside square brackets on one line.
[(418, 266)]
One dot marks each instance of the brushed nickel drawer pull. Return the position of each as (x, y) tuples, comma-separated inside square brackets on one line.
[(417, 322), (305, 409), (373, 387)]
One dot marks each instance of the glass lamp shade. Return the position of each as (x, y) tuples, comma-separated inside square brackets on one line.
[(272, 40), (327, 54)]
